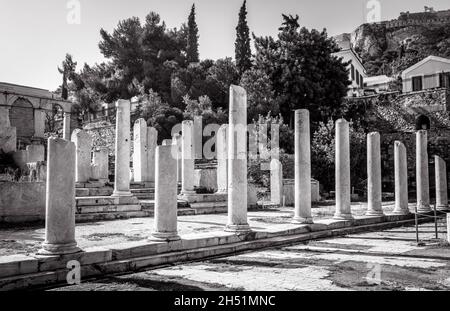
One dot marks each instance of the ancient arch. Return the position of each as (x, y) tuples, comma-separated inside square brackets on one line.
[(423, 123), (21, 116)]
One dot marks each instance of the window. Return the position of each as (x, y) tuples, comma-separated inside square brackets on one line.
[(361, 81), (353, 72), (417, 84), (444, 79), (357, 77)]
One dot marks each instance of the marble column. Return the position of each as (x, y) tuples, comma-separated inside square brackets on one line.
[(401, 179), (276, 182), (152, 143), (197, 137), (165, 225), (140, 149), (342, 163), (441, 183), (101, 161), (422, 175), (66, 126), (83, 145), (222, 159), (60, 199), (275, 141), (39, 123), (122, 150), (374, 195), (176, 153), (302, 190), (237, 161), (187, 178)]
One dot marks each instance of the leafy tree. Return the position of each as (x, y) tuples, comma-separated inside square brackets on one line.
[(192, 41), (67, 69), (260, 95), (242, 45), (303, 71), (220, 76)]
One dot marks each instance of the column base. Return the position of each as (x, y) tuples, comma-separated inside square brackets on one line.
[(164, 236), (374, 213), (122, 194), (302, 220), (424, 209), (49, 249), (343, 217), (401, 212), (442, 207), (238, 228)]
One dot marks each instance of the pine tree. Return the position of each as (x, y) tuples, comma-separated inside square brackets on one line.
[(192, 41), (242, 45)]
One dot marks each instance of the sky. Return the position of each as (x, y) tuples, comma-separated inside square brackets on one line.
[(36, 34)]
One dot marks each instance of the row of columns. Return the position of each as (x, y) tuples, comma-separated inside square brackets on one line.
[(60, 201)]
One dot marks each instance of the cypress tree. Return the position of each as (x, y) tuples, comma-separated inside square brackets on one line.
[(242, 45), (192, 41)]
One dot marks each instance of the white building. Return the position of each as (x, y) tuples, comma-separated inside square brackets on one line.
[(378, 83), (431, 72), (356, 71)]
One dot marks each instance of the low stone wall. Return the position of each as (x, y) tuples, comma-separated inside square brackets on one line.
[(22, 201)]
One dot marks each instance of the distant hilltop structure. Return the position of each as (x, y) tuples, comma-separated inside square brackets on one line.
[(428, 17)]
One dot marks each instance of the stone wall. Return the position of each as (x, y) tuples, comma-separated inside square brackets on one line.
[(22, 201)]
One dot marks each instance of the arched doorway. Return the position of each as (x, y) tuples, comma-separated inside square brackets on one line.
[(21, 116), (423, 123), (53, 120)]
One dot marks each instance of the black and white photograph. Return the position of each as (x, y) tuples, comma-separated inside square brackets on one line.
[(224, 153)]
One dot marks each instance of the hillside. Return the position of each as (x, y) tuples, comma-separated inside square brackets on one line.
[(392, 46)]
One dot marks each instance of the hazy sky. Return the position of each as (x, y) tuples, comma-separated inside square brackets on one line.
[(35, 34)]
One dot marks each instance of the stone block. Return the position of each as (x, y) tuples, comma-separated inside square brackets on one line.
[(8, 139), (17, 265)]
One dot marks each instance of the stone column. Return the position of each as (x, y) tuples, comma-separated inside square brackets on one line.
[(276, 182), (275, 141), (165, 225), (302, 190), (198, 137), (140, 149), (441, 183), (152, 143), (187, 178), (237, 161), (374, 195), (177, 155), (8, 134), (39, 123), (222, 159), (83, 145), (401, 179), (342, 163), (100, 159), (122, 150), (167, 142), (66, 126), (422, 177), (60, 199)]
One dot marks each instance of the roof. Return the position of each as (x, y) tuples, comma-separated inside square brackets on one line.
[(423, 61), (354, 54), (377, 80), (23, 90)]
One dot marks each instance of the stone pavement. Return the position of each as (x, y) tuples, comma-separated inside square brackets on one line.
[(28, 240), (384, 260)]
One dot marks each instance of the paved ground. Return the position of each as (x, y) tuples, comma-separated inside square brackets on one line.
[(386, 260), (27, 240)]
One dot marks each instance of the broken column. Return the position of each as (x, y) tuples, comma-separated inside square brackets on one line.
[(422, 177), (187, 178), (197, 137), (374, 195), (237, 161), (302, 211), (152, 143), (122, 149), (222, 159), (441, 183), (401, 179), (140, 149), (83, 145), (276, 182), (342, 163), (100, 160), (165, 225), (60, 199), (66, 126)]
